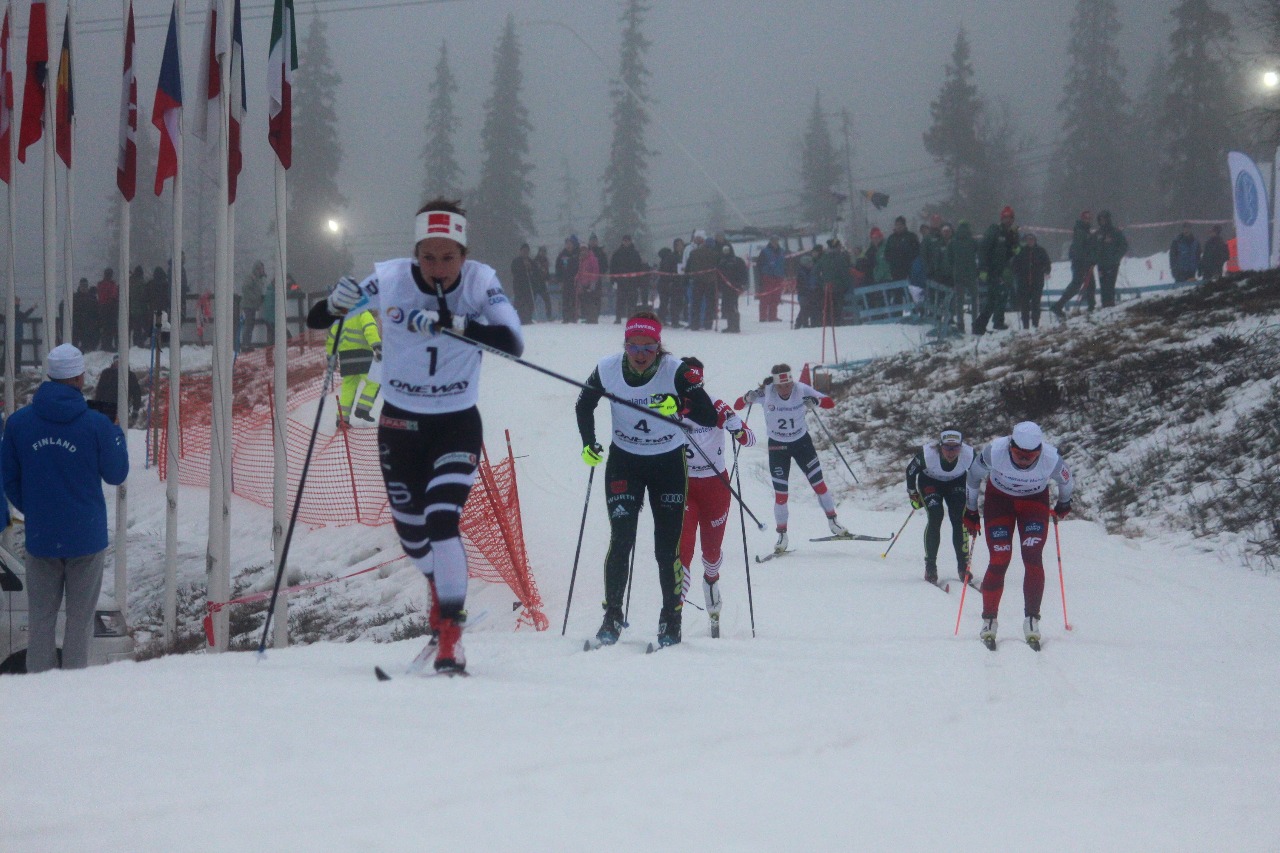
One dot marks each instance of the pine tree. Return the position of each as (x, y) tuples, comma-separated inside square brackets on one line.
[(626, 187), (317, 256), (1093, 156), (500, 215), (150, 216), (567, 212), (443, 174), (820, 170), (955, 137), (1145, 140), (1196, 121)]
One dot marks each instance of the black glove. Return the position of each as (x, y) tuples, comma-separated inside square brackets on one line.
[(377, 352), (1062, 510)]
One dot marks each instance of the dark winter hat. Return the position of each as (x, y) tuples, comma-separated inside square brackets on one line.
[(1104, 215)]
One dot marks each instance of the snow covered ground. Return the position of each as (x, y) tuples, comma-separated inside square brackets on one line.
[(853, 719)]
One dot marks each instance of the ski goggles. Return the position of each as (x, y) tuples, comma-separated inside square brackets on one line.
[(951, 437), (637, 349)]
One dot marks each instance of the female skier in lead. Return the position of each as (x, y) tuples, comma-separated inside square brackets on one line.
[(1018, 469), (430, 433), (784, 402), (706, 509), (645, 453)]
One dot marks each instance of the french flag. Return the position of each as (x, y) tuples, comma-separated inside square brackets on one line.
[(166, 114)]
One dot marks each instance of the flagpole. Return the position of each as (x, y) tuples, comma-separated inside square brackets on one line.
[(219, 588), (50, 218), (11, 353), (123, 343), (68, 264), (280, 480), (175, 379)]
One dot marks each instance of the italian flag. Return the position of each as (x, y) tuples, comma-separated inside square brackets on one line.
[(282, 61)]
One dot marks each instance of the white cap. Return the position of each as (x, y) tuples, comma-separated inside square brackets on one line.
[(1027, 435), (65, 362), (700, 233), (440, 223)]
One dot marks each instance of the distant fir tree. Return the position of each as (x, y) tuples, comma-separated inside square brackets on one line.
[(443, 174), (955, 139), (1093, 155), (567, 213), (1146, 140), (717, 214), (1199, 111), (500, 215), (820, 170), (1264, 22), (317, 257), (626, 185), (150, 216)]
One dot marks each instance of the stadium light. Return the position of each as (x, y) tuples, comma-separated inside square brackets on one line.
[(1271, 79), (334, 226)]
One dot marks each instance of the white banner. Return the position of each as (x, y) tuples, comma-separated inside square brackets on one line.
[(1249, 202)]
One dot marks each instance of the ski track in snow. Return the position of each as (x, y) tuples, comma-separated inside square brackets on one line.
[(853, 720)]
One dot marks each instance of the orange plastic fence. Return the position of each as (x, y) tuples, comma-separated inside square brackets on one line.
[(344, 482)]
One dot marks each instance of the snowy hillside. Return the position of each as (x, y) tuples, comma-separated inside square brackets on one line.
[(854, 719)]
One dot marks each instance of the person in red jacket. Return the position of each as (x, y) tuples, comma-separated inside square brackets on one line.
[(784, 401)]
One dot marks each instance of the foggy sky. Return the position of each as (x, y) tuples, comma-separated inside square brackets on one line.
[(732, 81)]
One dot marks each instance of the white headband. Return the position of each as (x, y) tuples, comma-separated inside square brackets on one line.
[(440, 223)]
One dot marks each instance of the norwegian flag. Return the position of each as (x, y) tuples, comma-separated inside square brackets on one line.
[(127, 144), (6, 100)]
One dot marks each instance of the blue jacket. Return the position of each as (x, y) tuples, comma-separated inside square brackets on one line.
[(54, 456)]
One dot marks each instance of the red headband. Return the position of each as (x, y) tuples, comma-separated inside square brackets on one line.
[(644, 326)]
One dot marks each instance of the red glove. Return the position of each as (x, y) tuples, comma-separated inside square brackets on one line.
[(972, 522), (745, 436), (827, 403), (739, 404), (723, 412)]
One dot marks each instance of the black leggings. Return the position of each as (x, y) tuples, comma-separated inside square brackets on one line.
[(428, 465), (939, 495), (627, 476)]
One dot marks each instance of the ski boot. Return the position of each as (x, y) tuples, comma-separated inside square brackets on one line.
[(450, 658), (711, 592), (837, 529), (931, 572), (611, 627), (1031, 630), (668, 628), (781, 546), (988, 633)]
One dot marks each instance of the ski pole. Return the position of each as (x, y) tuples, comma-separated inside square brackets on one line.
[(581, 529), (302, 481), (612, 398), (631, 567), (899, 533), (968, 564), (746, 559), (1062, 584), (831, 439)]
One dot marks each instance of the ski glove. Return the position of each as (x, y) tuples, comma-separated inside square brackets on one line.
[(972, 522), (811, 402), (593, 454), (345, 294), (422, 320), (1062, 510), (665, 405), (916, 501)]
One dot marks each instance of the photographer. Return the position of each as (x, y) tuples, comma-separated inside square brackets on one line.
[(55, 454)]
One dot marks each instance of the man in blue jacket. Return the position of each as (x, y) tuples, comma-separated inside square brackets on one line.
[(54, 456)]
